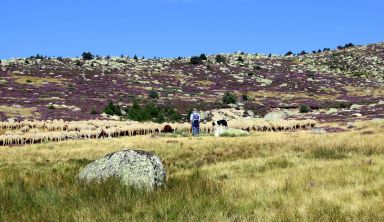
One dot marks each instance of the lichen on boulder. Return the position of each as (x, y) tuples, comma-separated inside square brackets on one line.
[(135, 168)]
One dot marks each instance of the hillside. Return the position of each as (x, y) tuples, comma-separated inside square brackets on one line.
[(337, 85)]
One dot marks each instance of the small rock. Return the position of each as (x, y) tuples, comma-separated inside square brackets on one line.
[(232, 105), (331, 111), (319, 131), (275, 116), (355, 106), (250, 113)]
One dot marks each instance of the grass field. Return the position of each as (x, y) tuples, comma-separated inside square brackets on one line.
[(267, 176)]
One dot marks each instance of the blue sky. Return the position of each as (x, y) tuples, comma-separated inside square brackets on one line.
[(170, 28)]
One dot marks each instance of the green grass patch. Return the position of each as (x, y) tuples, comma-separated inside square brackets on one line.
[(234, 133), (324, 153), (38, 196)]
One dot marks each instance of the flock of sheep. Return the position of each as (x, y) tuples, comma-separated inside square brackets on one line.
[(30, 132)]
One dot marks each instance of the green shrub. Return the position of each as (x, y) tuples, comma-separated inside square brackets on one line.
[(111, 109), (151, 112), (153, 94), (3, 82), (220, 59), (51, 106), (304, 109), (303, 52), (257, 67), (359, 74), (240, 59), (229, 98), (87, 56), (288, 53), (246, 97), (203, 57), (195, 60), (94, 112), (344, 105)]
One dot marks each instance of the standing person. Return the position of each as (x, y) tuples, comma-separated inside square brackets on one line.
[(195, 121)]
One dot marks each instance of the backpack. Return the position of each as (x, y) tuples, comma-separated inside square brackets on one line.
[(195, 119)]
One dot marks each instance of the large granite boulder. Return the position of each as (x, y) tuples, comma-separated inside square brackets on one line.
[(135, 168)]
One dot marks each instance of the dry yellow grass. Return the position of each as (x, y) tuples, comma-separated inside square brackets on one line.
[(259, 95), (12, 112), (365, 91), (267, 176), (37, 81)]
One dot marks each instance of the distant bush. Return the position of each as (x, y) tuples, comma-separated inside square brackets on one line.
[(340, 105), (87, 56), (3, 82), (348, 45), (135, 58), (38, 56), (220, 59), (303, 52), (78, 63), (240, 59), (288, 53), (153, 94), (203, 57), (94, 112), (359, 74), (194, 60), (151, 112), (304, 109), (326, 49), (51, 106), (229, 98), (257, 67), (246, 97), (112, 109)]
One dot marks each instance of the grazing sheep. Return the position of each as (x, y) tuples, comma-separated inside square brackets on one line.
[(167, 129), (24, 129), (221, 122), (9, 133)]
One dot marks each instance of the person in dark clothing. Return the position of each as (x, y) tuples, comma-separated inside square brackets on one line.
[(195, 121)]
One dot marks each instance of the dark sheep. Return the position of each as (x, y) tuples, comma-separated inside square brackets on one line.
[(103, 134), (222, 122), (167, 129)]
